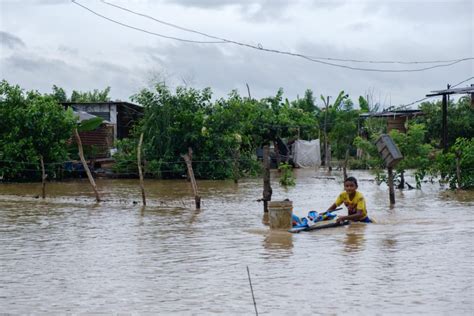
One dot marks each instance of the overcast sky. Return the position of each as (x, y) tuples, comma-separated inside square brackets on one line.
[(56, 42)]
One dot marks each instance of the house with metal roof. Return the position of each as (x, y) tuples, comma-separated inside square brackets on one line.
[(397, 119)]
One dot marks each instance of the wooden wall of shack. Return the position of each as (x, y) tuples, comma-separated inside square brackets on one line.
[(99, 141)]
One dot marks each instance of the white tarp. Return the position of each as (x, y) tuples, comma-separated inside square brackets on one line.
[(307, 153)]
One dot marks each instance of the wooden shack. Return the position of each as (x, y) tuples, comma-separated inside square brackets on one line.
[(121, 115), (395, 119), (99, 141)]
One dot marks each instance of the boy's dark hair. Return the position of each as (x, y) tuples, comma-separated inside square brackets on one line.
[(353, 180)]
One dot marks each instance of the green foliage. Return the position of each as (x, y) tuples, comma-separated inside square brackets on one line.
[(371, 157), (26, 133), (126, 157), (460, 120), (90, 124), (90, 96), (364, 105), (340, 121), (59, 94), (173, 122), (307, 103), (286, 178), (463, 151), (415, 152)]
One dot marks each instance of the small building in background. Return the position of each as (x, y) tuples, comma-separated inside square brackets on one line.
[(395, 119), (99, 142), (121, 115)]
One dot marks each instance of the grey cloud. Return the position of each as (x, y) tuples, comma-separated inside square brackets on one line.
[(11, 41), (359, 26), (225, 70), (37, 2), (422, 10), (68, 50), (37, 73), (253, 10)]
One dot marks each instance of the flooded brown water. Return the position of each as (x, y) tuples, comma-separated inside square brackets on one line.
[(67, 254)]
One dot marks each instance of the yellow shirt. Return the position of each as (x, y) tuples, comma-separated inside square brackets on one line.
[(357, 203)]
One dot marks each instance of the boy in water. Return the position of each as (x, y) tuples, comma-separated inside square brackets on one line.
[(354, 201)]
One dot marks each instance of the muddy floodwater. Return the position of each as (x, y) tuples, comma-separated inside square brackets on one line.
[(67, 254)]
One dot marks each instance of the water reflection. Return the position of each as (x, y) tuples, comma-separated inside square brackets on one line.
[(266, 219), (278, 239), (354, 240)]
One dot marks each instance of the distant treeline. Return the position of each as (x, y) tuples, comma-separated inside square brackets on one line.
[(225, 133)]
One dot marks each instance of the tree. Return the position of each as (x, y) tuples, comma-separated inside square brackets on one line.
[(32, 127), (415, 152), (460, 120), (91, 96)]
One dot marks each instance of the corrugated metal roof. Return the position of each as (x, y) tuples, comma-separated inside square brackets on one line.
[(401, 113), (452, 91), (84, 116)]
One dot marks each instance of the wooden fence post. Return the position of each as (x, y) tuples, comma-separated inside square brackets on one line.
[(390, 185), (84, 163), (140, 173), (391, 156), (188, 159), (267, 189), (43, 178), (236, 156)]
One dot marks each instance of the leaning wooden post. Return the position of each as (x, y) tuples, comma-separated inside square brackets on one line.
[(391, 156), (267, 189), (84, 163), (188, 159), (43, 178), (140, 173)]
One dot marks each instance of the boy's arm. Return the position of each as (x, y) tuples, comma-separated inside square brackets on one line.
[(354, 217), (332, 207)]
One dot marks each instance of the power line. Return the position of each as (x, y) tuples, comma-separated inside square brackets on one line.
[(423, 99), (462, 82), (446, 63), (142, 30)]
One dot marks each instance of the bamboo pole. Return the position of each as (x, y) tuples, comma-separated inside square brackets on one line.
[(188, 159), (84, 163), (139, 162), (43, 178)]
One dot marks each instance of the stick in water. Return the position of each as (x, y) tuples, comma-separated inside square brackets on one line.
[(251, 289)]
